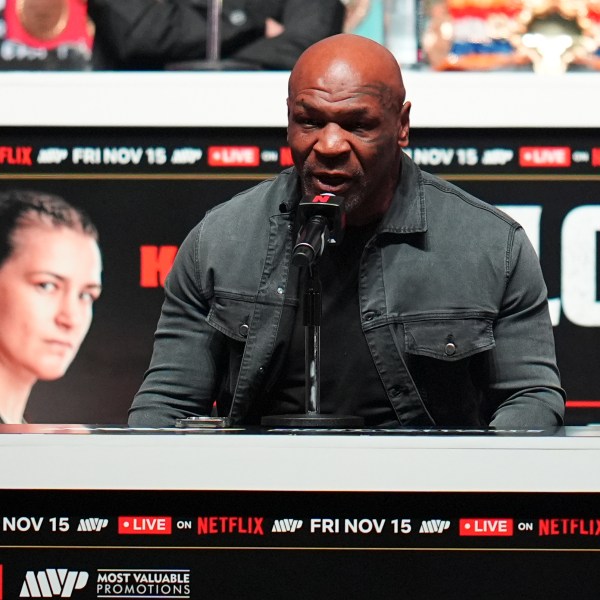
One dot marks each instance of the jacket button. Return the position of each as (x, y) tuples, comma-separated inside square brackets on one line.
[(244, 329), (450, 349), (370, 316), (238, 18)]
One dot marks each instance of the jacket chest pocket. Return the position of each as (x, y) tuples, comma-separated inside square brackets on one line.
[(448, 339), (231, 316), (446, 359)]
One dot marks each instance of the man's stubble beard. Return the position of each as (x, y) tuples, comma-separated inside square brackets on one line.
[(357, 196)]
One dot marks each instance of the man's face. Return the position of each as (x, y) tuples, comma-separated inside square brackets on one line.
[(346, 135), (48, 11), (47, 288)]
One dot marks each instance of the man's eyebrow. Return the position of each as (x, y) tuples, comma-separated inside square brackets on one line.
[(383, 92), (302, 102), (358, 111), (380, 90), (308, 106)]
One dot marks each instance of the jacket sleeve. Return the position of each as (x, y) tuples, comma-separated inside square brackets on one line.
[(525, 390), (183, 375), (305, 22)]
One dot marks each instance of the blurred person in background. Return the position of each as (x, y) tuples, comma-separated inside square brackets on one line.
[(260, 34), (356, 12), (45, 35), (50, 276)]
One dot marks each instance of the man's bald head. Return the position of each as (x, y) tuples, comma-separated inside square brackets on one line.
[(354, 57), (348, 123)]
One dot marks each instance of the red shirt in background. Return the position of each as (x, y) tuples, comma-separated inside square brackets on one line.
[(70, 48)]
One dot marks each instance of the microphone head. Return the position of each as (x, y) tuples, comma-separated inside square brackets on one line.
[(329, 206)]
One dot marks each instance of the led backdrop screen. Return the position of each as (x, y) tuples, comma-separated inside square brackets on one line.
[(145, 188)]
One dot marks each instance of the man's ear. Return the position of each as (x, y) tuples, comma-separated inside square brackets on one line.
[(287, 131), (404, 125)]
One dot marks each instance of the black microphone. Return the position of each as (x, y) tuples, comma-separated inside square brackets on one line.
[(321, 220)]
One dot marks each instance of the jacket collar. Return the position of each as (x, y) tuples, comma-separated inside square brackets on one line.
[(289, 181), (407, 213)]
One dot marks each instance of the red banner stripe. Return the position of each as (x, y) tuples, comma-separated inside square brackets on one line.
[(583, 404)]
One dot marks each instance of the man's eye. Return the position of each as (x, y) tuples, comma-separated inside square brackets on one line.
[(308, 122), (360, 126)]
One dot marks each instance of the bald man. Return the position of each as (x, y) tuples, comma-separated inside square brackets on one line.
[(434, 307)]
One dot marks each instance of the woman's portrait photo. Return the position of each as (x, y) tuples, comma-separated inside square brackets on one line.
[(50, 277)]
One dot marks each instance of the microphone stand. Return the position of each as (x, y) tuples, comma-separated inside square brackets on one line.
[(213, 60), (313, 418), (312, 341)]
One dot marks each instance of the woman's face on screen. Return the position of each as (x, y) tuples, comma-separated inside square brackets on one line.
[(47, 288)]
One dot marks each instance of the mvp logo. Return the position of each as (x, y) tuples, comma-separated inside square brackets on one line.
[(92, 524), (53, 583), (434, 526), (286, 525)]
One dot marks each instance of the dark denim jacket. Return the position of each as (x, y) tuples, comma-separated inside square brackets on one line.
[(452, 301)]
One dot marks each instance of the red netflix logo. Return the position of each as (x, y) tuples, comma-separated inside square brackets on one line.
[(144, 525), (595, 157), (233, 156), (239, 525), (569, 527), (545, 156), (485, 527), (155, 264), (20, 155)]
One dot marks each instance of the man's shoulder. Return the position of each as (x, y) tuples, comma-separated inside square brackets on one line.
[(261, 199), (439, 190)]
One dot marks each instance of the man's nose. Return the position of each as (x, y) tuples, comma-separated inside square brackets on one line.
[(332, 141)]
